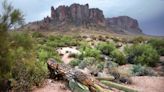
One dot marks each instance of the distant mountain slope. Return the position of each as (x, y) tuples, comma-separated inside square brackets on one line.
[(78, 15), (124, 24)]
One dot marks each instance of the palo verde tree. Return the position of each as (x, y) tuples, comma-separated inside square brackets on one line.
[(9, 18)]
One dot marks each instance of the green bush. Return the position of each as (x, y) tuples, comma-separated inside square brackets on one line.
[(139, 39), (17, 53), (5, 62), (118, 57), (139, 70), (92, 52), (21, 39), (75, 62), (106, 48), (100, 66), (142, 54), (26, 70), (116, 39), (87, 62), (61, 41), (28, 74), (110, 64), (87, 51), (158, 44), (45, 53), (37, 35)]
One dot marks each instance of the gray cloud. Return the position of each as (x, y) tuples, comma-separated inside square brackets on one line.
[(143, 10)]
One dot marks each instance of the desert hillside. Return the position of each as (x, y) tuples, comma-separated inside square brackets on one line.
[(77, 49), (68, 17)]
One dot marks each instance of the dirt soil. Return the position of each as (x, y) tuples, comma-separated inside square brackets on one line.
[(148, 84), (52, 86), (66, 51)]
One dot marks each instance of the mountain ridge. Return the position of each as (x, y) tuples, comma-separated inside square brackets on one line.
[(83, 16)]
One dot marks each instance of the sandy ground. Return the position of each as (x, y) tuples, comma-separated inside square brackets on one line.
[(141, 83), (53, 86), (148, 84), (66, 51)]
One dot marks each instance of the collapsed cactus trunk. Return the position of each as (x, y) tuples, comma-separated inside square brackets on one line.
[(77, 77), (119, 86), (62, 71)]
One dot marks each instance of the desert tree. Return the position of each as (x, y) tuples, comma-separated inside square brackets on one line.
[(9, 18)]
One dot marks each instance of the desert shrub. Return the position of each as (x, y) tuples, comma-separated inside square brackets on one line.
[(88, 61), (5, 62), (83, 45), (116, 39), (44, 54), (75, 62), (61, 41), (124, 40), (110, 64), (89, 52), (139, 70), (118, 57), (101, 38), (138, 39), (26, 70), (21, 39), (100, 66), (37, 34), (120, 75), (142, 54), (17, 53), (158, 44), (106, 48), (28, 74)]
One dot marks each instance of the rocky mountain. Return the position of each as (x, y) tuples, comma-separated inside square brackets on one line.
[(83, 16), (77, 14), (123, 24)]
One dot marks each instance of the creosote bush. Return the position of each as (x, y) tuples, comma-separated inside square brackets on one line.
[(87, 51), (61, 41), (88, 61), (26, 70), (37, 35), (139, 70), (158, 44), (139, 39), (75, 62), (118, 57), (143, 54), (106, 48)]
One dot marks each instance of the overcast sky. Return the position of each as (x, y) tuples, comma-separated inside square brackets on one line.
[(149, 13)]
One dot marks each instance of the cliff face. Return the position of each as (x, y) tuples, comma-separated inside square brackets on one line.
[(123, 23), (78, 15), (82, 15)]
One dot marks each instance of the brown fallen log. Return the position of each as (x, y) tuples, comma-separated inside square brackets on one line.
[(67, 73)]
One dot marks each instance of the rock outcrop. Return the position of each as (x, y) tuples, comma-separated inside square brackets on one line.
[(78, 15), (123, 24), (83, 16)]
